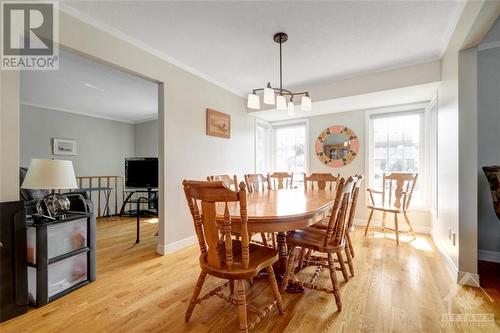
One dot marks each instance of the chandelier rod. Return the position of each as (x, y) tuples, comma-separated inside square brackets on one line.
[(281, 68)]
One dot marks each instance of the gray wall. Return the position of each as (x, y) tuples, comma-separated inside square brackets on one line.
[(488, 137), (355, 120), (102, 145), (146, 139)]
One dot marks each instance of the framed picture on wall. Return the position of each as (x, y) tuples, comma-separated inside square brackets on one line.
[(63, 147), (218, 124)]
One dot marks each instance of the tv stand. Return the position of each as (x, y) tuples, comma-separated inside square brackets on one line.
[(152, 196)]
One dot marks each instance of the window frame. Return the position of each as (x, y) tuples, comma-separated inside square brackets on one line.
[(268, 140), (424, 149), (290, 123)]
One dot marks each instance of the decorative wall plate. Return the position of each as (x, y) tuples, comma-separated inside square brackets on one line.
[(337, 146)]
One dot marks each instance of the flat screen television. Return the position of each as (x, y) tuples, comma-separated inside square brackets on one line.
[(141, 172)]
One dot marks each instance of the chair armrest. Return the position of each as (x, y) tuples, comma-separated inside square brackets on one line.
[(371, 191)]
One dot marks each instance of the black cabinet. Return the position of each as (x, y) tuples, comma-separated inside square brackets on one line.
[(13, 276), (61, 256)]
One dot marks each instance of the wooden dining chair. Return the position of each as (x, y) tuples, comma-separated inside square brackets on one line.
[(257, 182), (221, 255), (280, 180), (321, 181), (396, 193), (260, 183), (231, 182), (330, 241), (358, 179)]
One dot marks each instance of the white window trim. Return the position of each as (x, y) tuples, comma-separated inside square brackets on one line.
[(273, 141), (268, 141), (424, 152)]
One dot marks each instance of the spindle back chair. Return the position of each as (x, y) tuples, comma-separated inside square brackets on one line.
[(397, 192), (230, 182), (280, 180), (321, 181), (330, 240), (221, 255)]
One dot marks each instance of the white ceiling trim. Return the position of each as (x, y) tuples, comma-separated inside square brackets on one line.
[(145, 120), (36, 105), (135, 42), (487, 46)]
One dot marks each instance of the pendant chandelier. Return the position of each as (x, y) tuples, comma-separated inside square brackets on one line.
[(284, 97)]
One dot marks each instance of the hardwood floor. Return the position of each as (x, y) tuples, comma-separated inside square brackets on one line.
[(395, 289), (490, 278)]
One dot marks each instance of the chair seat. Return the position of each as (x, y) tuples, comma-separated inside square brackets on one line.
[(313, 238), (321, 224), (386, 208), (260, 258)]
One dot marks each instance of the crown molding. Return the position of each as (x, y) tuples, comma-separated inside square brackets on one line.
[(139, 44), (487, 46), (80, 113)]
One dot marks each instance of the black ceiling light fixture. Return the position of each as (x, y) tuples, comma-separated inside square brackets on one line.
[(280, 100)]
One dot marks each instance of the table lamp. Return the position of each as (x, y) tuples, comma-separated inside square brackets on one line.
[(51, 175)]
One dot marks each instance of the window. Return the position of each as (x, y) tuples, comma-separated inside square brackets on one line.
[(262, 147), (290, 148), (281, 147), (397, 145)]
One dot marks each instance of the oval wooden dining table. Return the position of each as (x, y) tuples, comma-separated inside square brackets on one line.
[(280, 211)]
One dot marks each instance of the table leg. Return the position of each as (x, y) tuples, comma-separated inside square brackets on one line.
[(283, 253), (282, 262)]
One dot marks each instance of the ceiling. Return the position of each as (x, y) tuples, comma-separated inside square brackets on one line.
[(230, 43), (86, 87)]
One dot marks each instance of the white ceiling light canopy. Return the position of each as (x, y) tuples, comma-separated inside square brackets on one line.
[(269, 91)]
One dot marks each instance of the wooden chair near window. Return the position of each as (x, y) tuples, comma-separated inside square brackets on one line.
[(280, 180), (230, 182), (330, 241), (260, 183), (257, 183), (396, 199), (224, 257), (321, 181)]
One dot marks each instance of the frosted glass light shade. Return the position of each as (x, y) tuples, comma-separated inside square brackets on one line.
[(50, 175), (281, 102), (291, 109), (268, 96), (253, 101), (306, 104)]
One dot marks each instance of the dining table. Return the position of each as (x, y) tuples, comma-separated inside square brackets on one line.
[(280, 211)]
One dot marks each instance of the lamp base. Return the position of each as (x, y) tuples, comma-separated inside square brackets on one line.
[(52, 205)]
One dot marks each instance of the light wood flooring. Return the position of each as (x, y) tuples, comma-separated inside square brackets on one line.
[(396, 289)]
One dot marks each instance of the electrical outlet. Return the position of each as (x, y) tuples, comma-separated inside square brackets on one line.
[(454, 238)]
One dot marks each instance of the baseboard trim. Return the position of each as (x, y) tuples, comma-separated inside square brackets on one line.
[(488, 256), (450, 265), (176, 246), (468, 279), (422, 229)]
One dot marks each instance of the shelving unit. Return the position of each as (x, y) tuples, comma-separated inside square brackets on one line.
[(61, 256)]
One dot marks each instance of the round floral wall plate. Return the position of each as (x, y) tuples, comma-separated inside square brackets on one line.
[(337, 146)]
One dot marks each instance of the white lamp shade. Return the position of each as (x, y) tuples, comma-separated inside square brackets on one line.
[(253, 101), (291, 109), (306, 104), (50, 175), (281, 102), (268, 96)]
